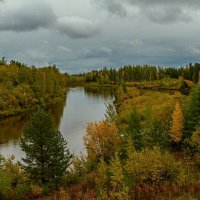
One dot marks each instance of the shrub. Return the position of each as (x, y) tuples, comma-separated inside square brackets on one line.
[(110, 181), (101, 140), (150, 166), (36, 191)]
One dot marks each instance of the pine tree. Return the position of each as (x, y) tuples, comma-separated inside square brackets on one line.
[(177, 124), (110, 114), (47, 156)]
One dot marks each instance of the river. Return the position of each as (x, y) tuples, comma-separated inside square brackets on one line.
[(70, 117)]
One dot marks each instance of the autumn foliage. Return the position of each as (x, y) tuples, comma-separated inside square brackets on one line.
[(101, 139), (177, 124)]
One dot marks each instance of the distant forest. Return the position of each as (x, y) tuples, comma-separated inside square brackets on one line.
[(137, 73)]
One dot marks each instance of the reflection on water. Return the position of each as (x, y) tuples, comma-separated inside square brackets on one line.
[(99, 92), (82, 105)]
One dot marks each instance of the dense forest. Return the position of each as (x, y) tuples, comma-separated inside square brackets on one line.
[(141, 75), (23, 88), (147, 147)]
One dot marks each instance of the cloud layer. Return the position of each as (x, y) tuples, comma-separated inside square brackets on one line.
[(32, 16), (76, 27), (157, 11), (27, 18), (81, 35)]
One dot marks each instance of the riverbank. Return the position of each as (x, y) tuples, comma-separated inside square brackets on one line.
[(165, 84), (24, 88), (44, 105)]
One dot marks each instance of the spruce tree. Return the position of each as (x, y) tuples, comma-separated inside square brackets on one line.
[(192, 111), (134, 129), (47, 157), (111, 114)]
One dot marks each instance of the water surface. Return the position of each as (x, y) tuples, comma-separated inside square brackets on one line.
[(82, 105)]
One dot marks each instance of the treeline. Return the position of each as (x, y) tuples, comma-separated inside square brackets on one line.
[(137, 73), (23, 87)]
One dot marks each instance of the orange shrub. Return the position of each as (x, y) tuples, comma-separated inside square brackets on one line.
[(101, 139), (36, 191)]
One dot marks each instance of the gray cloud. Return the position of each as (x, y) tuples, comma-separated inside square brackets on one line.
[(131, 32), (192, 50), (166, 15), (164, 2), (27, 18), (117, 9), (76, 27), (158, 11), (136, 43), (106, 50), (64, 49), (101, 52)]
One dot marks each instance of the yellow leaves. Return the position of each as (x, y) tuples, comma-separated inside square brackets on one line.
[(111, 180), (102, 139), (118, 189), (177, 124), (152, 166), (133, 92), (177, 95), (116, 171), (161, 105)]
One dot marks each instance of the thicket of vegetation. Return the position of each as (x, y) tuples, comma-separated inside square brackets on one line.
[(147, 151), (147, 147), (23, 88)]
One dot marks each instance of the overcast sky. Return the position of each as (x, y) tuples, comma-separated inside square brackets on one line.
[(79, 35)]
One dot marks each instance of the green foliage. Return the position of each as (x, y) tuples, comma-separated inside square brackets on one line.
[(150, 166), (119, 191), (12, 180), (47, 156), (149, 76), (195, 142), (111, 180), (192, 114), (79, 169), (110, 114), (120, 92), (102, 180), (155, 136), (134, 129)]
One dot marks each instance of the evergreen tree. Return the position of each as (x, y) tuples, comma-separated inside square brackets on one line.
[(192, 111), (110, 114), (118, 190), (134, 129), (47, 156)]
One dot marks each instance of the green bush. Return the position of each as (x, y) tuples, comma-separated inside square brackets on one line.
[(150, 166)]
